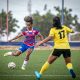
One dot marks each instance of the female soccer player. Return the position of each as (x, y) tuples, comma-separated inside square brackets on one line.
[(28, 43), (61, 46)]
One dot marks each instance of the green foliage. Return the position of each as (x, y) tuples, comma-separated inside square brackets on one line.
[(69, 19), (44, 22), (37, 59), (12, 22)]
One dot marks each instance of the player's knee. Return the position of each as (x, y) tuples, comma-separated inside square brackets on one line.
[(27, 58), (49, 61), (16, 54)]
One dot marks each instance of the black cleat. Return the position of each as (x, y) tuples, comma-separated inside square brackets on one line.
[(72, 74)]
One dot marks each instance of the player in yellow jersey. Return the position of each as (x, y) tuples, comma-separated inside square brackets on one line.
[(59, 34)]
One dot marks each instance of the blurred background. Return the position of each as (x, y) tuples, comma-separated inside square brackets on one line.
[(12, 13)]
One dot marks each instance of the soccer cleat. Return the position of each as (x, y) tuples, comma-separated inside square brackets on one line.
[(72, 74), (8, 54), (38, 75), (23, 68)]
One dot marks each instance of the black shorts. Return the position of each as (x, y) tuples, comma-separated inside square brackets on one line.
[(66, 52)]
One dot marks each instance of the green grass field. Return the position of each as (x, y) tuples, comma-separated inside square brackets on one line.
[(57, 71)]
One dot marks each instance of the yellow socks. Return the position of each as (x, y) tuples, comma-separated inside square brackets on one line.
[(69, 66), (44, 67)]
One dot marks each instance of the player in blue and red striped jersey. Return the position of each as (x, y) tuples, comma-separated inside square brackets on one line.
[(28, 43)]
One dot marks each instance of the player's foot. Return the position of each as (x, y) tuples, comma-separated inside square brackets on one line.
[(72, 74), (38, 75), (8, 54), (23, 68)]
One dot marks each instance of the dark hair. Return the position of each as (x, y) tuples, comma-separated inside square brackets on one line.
[(57, 22), (28, 19)]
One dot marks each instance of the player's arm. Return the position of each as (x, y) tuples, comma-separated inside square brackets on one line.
[(41, 37), (19, 35), (51, 35), (70, 29), (44, 41)]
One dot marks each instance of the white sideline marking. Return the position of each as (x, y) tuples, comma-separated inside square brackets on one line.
[(43, 75)]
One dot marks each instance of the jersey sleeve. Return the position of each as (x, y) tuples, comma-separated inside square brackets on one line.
[(51, 33), (23, 33), (69, 30), (37, 32)]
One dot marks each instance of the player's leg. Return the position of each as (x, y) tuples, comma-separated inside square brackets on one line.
[(29, 51), (16, 53), (70, 67), (50, 60), (67, 57)]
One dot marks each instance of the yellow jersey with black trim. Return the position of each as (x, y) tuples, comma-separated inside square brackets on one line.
[(60, 37)]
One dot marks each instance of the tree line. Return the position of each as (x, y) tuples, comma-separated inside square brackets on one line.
[(42, 22)]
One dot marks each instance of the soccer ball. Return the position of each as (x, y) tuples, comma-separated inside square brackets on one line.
[(11, 65)]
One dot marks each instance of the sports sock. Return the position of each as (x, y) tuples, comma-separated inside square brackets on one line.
[(24, 63), (10, 53), (44, 67), (69, 66)]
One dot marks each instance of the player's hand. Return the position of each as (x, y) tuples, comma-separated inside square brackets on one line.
[(44, 44), (37, 44), (9, 40)]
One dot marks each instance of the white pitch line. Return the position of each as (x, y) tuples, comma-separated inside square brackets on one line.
[(43, 75)]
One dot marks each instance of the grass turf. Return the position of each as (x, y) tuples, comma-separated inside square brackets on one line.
[(57, 71)]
